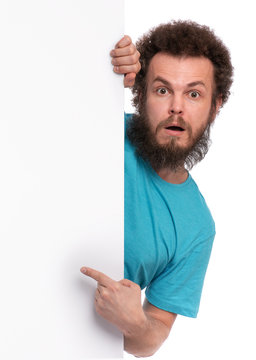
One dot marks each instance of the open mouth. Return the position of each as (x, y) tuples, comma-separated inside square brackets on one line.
[(175, 128)]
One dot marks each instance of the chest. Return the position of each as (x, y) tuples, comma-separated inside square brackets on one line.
[(150, 235)]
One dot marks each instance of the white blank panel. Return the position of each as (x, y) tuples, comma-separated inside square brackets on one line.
[(61, 176)]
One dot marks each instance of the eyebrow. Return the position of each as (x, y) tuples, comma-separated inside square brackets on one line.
[(165, 82)]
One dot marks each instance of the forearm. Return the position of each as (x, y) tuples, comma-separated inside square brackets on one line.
[(146, 338)]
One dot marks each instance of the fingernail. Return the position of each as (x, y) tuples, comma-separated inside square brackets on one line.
[(83, 270), (112, 53)]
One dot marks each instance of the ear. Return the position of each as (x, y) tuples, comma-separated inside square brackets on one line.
[(217, 108), (218, 104)]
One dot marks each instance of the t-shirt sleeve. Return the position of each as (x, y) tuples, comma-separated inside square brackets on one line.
[(178, 288)]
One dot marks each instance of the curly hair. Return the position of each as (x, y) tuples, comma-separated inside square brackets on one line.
[(183, 39)]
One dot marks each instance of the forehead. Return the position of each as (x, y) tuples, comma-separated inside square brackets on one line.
[(180, 70)]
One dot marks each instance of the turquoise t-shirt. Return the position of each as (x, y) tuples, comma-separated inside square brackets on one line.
[(169, 233)]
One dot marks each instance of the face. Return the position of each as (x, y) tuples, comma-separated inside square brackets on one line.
[(172, 127), (179, 98)]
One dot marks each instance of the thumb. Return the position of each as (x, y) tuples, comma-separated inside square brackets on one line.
[(129, 79)]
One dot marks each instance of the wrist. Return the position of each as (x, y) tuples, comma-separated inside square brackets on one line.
[(137, 326)]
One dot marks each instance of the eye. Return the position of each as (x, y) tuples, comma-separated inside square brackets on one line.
[(162, 91), (194, 94)]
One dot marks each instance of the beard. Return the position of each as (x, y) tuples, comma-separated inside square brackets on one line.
[(170, 155)]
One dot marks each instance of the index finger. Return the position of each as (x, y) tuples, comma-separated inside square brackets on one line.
[(101, 278)]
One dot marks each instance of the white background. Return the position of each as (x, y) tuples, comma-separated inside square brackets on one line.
[(225, 327), (61, 176)]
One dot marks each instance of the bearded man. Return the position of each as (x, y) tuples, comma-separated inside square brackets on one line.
[(181, 82)]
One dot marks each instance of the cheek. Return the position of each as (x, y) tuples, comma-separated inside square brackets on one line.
[(199, 116), (156, 108)]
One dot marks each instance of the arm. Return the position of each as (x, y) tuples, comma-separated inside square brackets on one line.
[(125, 58), (144, 328), (152, 332)]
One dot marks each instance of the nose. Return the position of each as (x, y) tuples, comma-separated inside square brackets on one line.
[(176, 105)]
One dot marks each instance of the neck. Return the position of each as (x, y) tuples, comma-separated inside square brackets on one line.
[(174, 177)]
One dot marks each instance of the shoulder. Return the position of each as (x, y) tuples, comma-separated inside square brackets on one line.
[(202, 211), (127, 117), (128, 146)]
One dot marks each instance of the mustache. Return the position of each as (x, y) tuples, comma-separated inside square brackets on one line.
[(177, 120)]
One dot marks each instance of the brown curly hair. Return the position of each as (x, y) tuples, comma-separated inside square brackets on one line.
[(184, 38)]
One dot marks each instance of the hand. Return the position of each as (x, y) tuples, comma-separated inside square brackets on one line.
[(125, 58), (119, 302)]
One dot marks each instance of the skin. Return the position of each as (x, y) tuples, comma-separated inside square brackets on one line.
[(125, 58), (169, 92), (178, 87), (144, 328)]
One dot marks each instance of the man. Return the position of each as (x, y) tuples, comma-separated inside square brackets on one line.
[(185, 77)]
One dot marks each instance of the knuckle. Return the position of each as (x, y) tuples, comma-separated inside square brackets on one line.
[(136, 286), (115, 287), (131, 49), (127, 37), (104, 295), (138, 67), (134, 58)]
